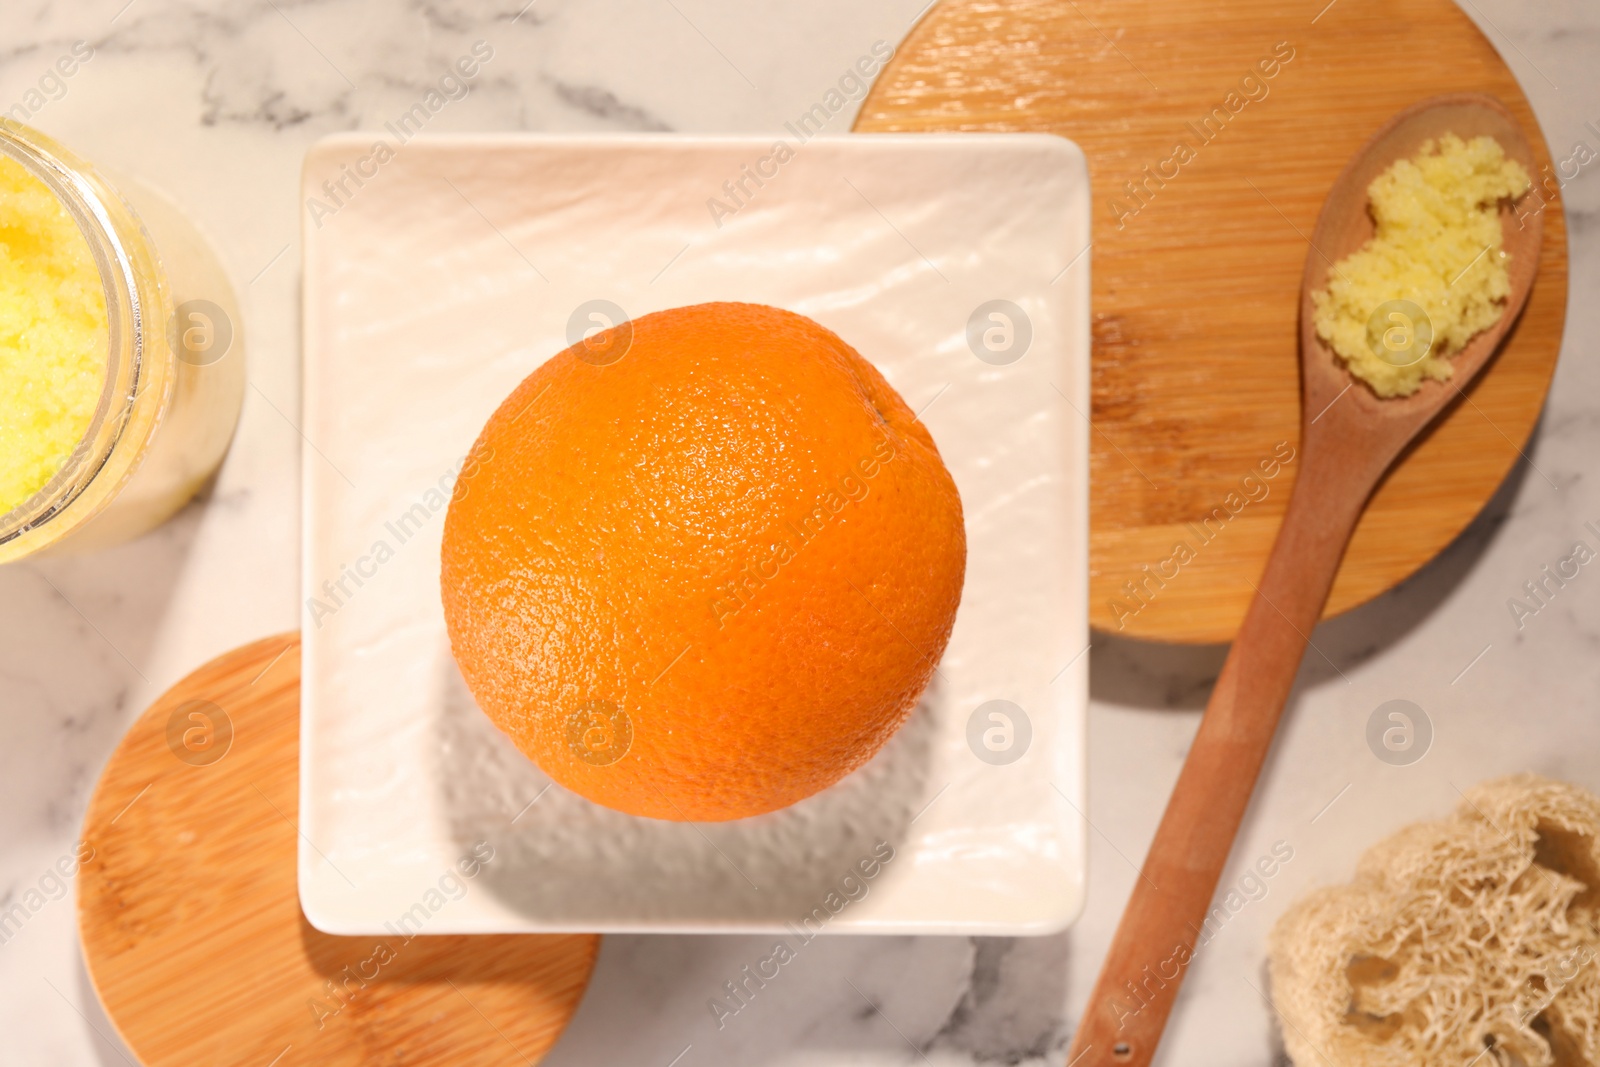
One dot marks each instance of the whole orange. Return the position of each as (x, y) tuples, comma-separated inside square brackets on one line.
[(702, 565)]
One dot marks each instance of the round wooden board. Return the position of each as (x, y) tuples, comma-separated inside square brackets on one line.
[(191, 920), (1195, 377)]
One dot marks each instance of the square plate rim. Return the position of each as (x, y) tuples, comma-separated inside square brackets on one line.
[(1075, 160)]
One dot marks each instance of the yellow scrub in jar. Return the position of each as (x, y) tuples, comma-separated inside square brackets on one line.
[(52, 335), (121, 362)]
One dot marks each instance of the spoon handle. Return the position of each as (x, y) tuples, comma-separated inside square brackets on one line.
[(1168, 912)]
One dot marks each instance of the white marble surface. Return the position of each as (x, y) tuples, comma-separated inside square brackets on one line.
[(216, 104)]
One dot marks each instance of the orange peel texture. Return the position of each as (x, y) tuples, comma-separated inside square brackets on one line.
[(702, 565)]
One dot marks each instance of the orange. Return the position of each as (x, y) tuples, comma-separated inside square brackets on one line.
[(702, 564)]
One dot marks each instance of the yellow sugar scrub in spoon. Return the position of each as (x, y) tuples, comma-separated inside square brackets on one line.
[(1432, 275), (52, 334)]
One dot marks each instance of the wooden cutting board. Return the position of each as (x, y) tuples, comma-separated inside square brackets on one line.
[(191, 922), (1195, 275)]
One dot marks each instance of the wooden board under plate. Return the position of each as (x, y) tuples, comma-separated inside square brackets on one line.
[(191, 921)]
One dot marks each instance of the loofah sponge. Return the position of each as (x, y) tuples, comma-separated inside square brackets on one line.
[(1472, 939)]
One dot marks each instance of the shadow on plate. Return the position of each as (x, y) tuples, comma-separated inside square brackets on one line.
[(563, 860)]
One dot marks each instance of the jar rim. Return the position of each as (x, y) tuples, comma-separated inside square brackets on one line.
[(70, 180)]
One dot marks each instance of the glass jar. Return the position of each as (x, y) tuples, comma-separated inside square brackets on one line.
[(174, 371)]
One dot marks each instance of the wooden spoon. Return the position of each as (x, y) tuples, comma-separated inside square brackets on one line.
[(1349, 437)]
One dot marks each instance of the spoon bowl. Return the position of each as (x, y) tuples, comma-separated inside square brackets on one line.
[(1345, 224)]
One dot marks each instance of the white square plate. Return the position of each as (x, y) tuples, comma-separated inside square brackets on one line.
[(437, 279)]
